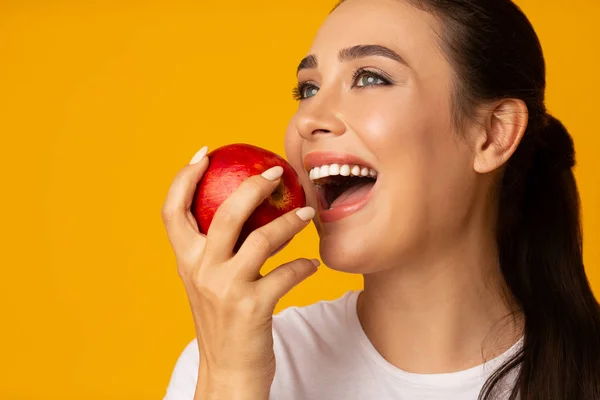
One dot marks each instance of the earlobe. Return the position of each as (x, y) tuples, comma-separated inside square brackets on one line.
[(504, 129)]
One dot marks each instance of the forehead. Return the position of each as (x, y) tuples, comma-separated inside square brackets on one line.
[(392, 23)]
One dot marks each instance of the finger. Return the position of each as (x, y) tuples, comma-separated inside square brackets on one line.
[(231, 215), (264, 241), (176, 208), (282, 279)]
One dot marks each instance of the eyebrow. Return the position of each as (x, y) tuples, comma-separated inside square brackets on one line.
[(353, 53)]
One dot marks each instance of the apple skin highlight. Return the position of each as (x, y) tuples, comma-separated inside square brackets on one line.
[(228, 167)]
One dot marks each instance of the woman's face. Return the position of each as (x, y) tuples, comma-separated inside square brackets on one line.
[(394, 114)]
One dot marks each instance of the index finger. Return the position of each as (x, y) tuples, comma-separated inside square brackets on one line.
[(231, 215)]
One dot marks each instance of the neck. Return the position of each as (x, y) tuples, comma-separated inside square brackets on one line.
[(441, 314)]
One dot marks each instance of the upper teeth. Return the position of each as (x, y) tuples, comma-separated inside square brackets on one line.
[(344, 170)]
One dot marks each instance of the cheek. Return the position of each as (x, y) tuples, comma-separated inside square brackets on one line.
[(412, 138), (395, 127), (377, 122)]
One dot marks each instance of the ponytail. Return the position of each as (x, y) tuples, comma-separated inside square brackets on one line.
[(556, 151), (540, 246)]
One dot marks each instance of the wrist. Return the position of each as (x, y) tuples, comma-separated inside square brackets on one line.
[(223, 385)]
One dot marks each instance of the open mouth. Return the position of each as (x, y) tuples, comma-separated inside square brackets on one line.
[(343, 189)]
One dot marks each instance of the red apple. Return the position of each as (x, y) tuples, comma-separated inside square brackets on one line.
[(228, 167)]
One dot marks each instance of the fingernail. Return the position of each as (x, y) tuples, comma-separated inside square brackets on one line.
[(199, 155), (315, 262), (273, 173), (306, 213)]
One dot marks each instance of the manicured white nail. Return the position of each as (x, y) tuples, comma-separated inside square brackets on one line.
[(273, 173), (306, 213), (199, 155)]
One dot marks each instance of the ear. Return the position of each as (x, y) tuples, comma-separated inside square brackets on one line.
[(504, 129)]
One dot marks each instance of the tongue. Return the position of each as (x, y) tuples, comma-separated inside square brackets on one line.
[(353, 194)]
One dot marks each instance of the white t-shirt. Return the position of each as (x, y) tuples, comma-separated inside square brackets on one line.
[(322, 353)]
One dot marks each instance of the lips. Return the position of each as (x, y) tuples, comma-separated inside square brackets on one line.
[(320, 158)]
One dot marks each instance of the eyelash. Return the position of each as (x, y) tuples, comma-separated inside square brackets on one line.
[(299, 88)]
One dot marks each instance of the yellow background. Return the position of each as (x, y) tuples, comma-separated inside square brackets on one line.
[(102, 103)]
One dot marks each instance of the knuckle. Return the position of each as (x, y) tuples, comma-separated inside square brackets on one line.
[(260, 239), (210, 284), (190, 259), (288, 273), (225, 215), (205, 283), (188, 263), (292, 221), (167, 212), (200, 282), (226, 294), (249, 305), (183, 271)]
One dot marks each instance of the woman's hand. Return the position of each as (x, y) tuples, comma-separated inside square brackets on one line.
[(232, 304)]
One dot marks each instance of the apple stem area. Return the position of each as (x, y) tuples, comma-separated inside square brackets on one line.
[(277, 197), (278, 192)]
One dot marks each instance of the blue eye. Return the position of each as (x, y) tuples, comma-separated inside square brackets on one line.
[(360, 79), (304, 90), (369, 79), (309, 91)]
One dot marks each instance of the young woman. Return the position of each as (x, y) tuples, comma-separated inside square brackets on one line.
[(466, 226)]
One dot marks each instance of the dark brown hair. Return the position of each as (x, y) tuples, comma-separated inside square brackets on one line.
[(496, 54)]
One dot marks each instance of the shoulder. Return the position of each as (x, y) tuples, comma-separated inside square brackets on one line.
[(323, 319), (318, 333)]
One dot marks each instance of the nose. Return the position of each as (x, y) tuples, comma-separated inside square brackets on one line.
[(319, 116)]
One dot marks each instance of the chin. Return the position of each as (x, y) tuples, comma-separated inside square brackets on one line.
[(347, 245), (364, 251), (344, 255)]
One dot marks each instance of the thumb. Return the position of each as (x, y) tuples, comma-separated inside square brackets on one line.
[(282, 279)]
